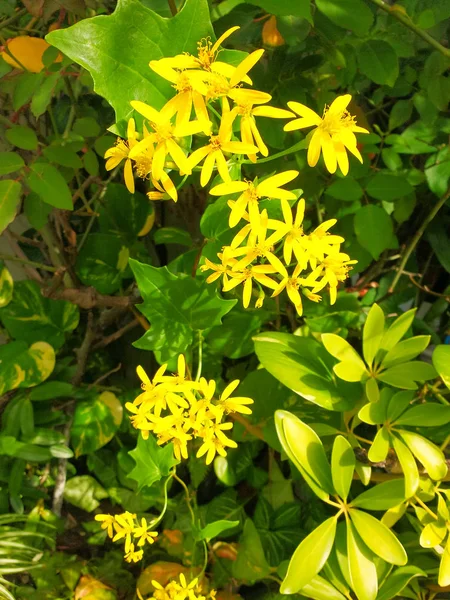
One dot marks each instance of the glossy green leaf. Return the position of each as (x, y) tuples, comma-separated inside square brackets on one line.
[(152, 461), (85, 492), (425, 415), (22, 137), (214, 529), (108, 59), (309, 558), (250, 564), (48, 183), (364, 471), (95, 422), (388, 187), (24, 366), (397, 329), (441, 362), (320, 589), (406, 350), (433, 534), (348, 14), (382, 496), (374, 229), (409, 466), (380, 446), (6, 286), (398, 580), (398, 403), (304, 447), (378, 538), (373, 331), (342, 466), (375, 413), (372, 390), (363, 574), (378, 61), (304, 366), (444, 567), (176, 307), (405, 374), (350, 371), (427, 453), (9, 201), (10, 162), (340, 348)]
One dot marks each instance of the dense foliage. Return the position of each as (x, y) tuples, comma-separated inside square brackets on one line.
[(224, 299)]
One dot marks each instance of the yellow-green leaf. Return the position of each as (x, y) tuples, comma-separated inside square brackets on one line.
[(378, 538), (382, 496), (6, 286), (427, 453), (373, 333), (342, 466), (9, 201), (319, 589), (441, 362), (430, 414), (409, 466), (340, 348), (350, 371), (25, 367), (433, 534), (372, 390), (406, 350), (380, 446), (363, 573), (397, 329), (374, 413), (309, 557), (444, 568), (398, 580)]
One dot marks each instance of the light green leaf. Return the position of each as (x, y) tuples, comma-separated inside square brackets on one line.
[(374, 229), (388, 187), (372, 390), (380, 446), (250, 564), (378, 538), (348, 14), (342, 466), (350, 371), (6, 286), (397, 329), (373, 332), (10, 162), (9, 201), (85, 492), (309, 557), (43, 95), (382, 496), (340, 348), (214, 529), (444, 567), (409, 466), (406, 350), (433, 534), (398, 403), (304, 447), (319, 589), (427, 453), (49, 185), (22, 137), (97, 45), (441, 362), (24, 367), (363, 573), (398, 580), (378, 61), (152, 461), (374, 413), (95, 422), (405, 374), (176, 307), (425, 415)]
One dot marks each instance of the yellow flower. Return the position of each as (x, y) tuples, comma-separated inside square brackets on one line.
[(213, 153), (294, 233), (236, 404), (120, 151), (107, 522), (252, 192), (124, 526), (332, 270), (181, 590), (256, 272), (215, 442), (144, 535), (144, 168), (133, 555), (319, 243), (334, 133), (291, 284), (219, 270)]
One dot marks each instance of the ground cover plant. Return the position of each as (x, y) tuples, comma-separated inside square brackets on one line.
[(224, 299)]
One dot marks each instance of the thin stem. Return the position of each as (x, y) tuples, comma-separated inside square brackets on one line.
[(205, 560), (419, 233), (425, 507), (32, 263), (166, 501), (407, 22), (298, 146), (13, 19), (200, 355), (188, 499), (173, 7)]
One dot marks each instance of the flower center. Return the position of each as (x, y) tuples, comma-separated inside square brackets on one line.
[(334, 122)]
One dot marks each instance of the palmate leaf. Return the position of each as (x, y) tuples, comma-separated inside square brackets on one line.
[(152, 461), (116, 49)]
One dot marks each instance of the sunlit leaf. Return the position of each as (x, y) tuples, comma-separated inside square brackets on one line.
[(362, 569), (378, 538), (152, 461), (398, 580), (382, 496), (441, 362), (427, 453), (409, 466), (342, 466), (373, 331), (380, 445)]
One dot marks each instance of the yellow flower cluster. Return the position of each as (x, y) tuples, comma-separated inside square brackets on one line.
[(181, 590), (251, 258), (127, 527), (177, 409)]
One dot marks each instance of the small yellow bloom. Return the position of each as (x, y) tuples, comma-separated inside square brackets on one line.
[(144, 534), (332, 270), (236, 404), (294, 233), (291, 284), (121, 151), (107, 522), (319, 243), (215, 442), (257, 272), (334, 133), (133, 555)]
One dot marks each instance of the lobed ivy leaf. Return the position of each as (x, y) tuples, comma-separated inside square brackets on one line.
[(152, 461)]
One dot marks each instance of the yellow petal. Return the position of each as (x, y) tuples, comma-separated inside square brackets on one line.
[(329, 154), (342, 158), (169, 186), (207, 168), (146, 111), (232, 187), (339, 104), (239, 148), (244, 67), (258, 139), (222, 166), (245, 96), (272, 112), (314, 148), (304, 111), (164, 70), (178, 156), (159, 159), (128, 174), (275, 181), (247, 292), (223, 37)]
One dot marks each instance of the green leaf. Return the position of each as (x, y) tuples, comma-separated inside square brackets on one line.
[(10, 162), (397, 329), (214, 529), (374, 413), (250, 564), (6, 286), (86, 127), (22, 137), (398, 580), (99, 263), (319, 589), (95, 422), (373, 333), (444, 567), (49, 185), (382, 496), (425, 415), (225, 507), (400, 113), (123, 213), (51, 319), (176, 307), (64, 156), (84, 492), (346, 189), (388, 187), (374, 229), (372, 390), (433, 534), (36, 210), (441, 362), (405, 374), (43, 95), (309, 557), (348, 14), (303, 365), (437, 171), (378, 538), (406, 350), (398, 403), (427, 453), (342, 466), (378, 61), (285, 8), (352, 367), (279, 529), (305, 449), (9, 201), (409, 466), (152, 461), (234, 338), (380, 445), (97, 45), (172, 235), (25, 367), (363, 574)]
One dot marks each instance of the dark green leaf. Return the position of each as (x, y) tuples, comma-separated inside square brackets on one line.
[(172, 235), (348, 14), (49, 185), (346, 189), (102, 261), (386, 186), (374, 229), (378, 61), (250, 564)]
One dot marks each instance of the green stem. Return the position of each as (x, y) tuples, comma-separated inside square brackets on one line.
[(205, 560), (55, 253), (407, 22), (188, 499), (14, 18), (298, 146), (200, 355), (419, 233), (166, 501), (32, 263)]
